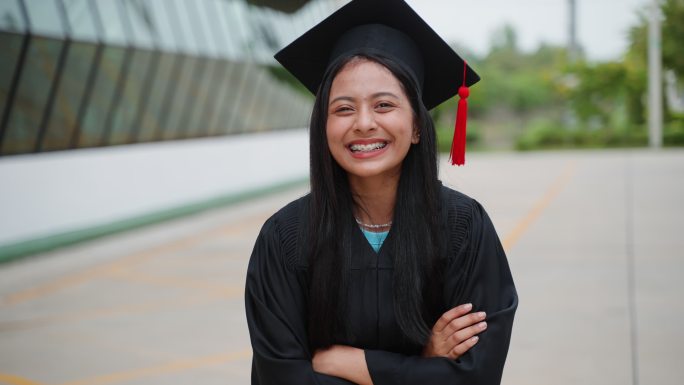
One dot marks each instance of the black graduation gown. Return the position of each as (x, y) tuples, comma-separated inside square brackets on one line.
[(276, 292)]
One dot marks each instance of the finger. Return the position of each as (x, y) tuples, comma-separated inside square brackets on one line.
[(469, 332), (463, 322), (462, 348), (450, 315)]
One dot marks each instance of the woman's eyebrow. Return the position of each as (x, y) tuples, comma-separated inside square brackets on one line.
[(347, 98), (374, 96), (380, 94)]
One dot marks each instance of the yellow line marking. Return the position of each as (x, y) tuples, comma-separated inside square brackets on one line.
[(236, 253), (252, 226), (170, 303), (11, 379), (131, 260), (171, 367), (177, 282), (532, 215)]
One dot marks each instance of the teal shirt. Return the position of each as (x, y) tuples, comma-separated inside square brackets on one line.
[(375, 239)]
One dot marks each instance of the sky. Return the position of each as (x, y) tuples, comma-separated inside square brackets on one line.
[(602, 25)]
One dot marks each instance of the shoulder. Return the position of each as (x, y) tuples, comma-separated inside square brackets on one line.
[(284, 231), (455, 199), (290, 214), (458, 207), (462, 217)]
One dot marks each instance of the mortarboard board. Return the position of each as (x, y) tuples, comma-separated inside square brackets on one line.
[(391, 28)]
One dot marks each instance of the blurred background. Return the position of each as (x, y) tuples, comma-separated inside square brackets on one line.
[(171, 118)]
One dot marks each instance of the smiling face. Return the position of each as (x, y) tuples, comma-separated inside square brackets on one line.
[(370, 123)]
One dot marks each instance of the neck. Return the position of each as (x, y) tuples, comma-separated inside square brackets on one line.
[(374, 198)]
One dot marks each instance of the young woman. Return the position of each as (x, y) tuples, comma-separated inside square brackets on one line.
[(380, 275)]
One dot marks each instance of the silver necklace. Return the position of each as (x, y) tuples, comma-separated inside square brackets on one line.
[(366, 225)]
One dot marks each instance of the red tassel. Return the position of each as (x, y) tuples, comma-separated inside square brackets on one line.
[(458, 145)]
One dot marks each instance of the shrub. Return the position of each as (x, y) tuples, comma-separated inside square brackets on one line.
[(445, 136)]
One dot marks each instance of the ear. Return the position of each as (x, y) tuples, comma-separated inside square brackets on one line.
[(415, 137)]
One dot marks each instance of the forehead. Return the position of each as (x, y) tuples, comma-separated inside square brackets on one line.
[(361, 75)]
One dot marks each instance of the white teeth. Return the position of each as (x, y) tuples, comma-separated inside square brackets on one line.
[(367, 147)]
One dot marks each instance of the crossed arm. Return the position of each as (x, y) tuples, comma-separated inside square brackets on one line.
[(454, 333)]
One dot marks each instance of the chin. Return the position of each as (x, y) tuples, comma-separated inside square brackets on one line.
[(372, 172)]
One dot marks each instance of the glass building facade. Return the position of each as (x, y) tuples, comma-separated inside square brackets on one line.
[(93, 73)]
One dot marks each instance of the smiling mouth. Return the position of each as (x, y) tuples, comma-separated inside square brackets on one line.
[(367, 147)]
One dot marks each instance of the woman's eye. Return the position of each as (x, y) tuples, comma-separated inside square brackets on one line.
[(384, 106)]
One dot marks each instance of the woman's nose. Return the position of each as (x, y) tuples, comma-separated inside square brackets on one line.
[(365, 120)]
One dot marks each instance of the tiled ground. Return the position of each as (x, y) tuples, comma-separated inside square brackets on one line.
[(593, 238)]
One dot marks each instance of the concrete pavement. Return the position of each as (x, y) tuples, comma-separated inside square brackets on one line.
[(593, 239)]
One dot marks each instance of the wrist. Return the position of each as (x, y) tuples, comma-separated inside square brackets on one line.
[(342, 361), (353, 365)]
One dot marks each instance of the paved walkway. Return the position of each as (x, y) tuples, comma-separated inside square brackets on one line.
[(594, 240)]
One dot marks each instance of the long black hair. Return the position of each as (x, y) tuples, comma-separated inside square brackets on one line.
[(414, 242)]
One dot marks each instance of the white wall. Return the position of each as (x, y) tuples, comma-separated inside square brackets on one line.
[(50, 193)]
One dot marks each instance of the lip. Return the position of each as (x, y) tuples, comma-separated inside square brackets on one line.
[(367, 141), (371, 154)]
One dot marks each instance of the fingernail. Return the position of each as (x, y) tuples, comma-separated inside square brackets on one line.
[(483, 325), (474, 339), (482, 314), (468, 306)]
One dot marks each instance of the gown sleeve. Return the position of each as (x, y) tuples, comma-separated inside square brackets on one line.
[(478, 273), (275, 296)]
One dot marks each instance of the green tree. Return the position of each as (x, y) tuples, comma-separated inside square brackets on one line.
[(635, 62), (610, 96), (636, 59), (673, 36), (599, 92)]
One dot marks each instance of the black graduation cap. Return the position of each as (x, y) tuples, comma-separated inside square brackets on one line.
[(388, 27), (391, 28)]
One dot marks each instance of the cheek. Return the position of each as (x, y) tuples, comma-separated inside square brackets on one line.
[(403, 131), (334, 130), (334, 137), (330, 132)]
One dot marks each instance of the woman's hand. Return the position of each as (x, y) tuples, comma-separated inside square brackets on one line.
[(455, 332), (342, 361)]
